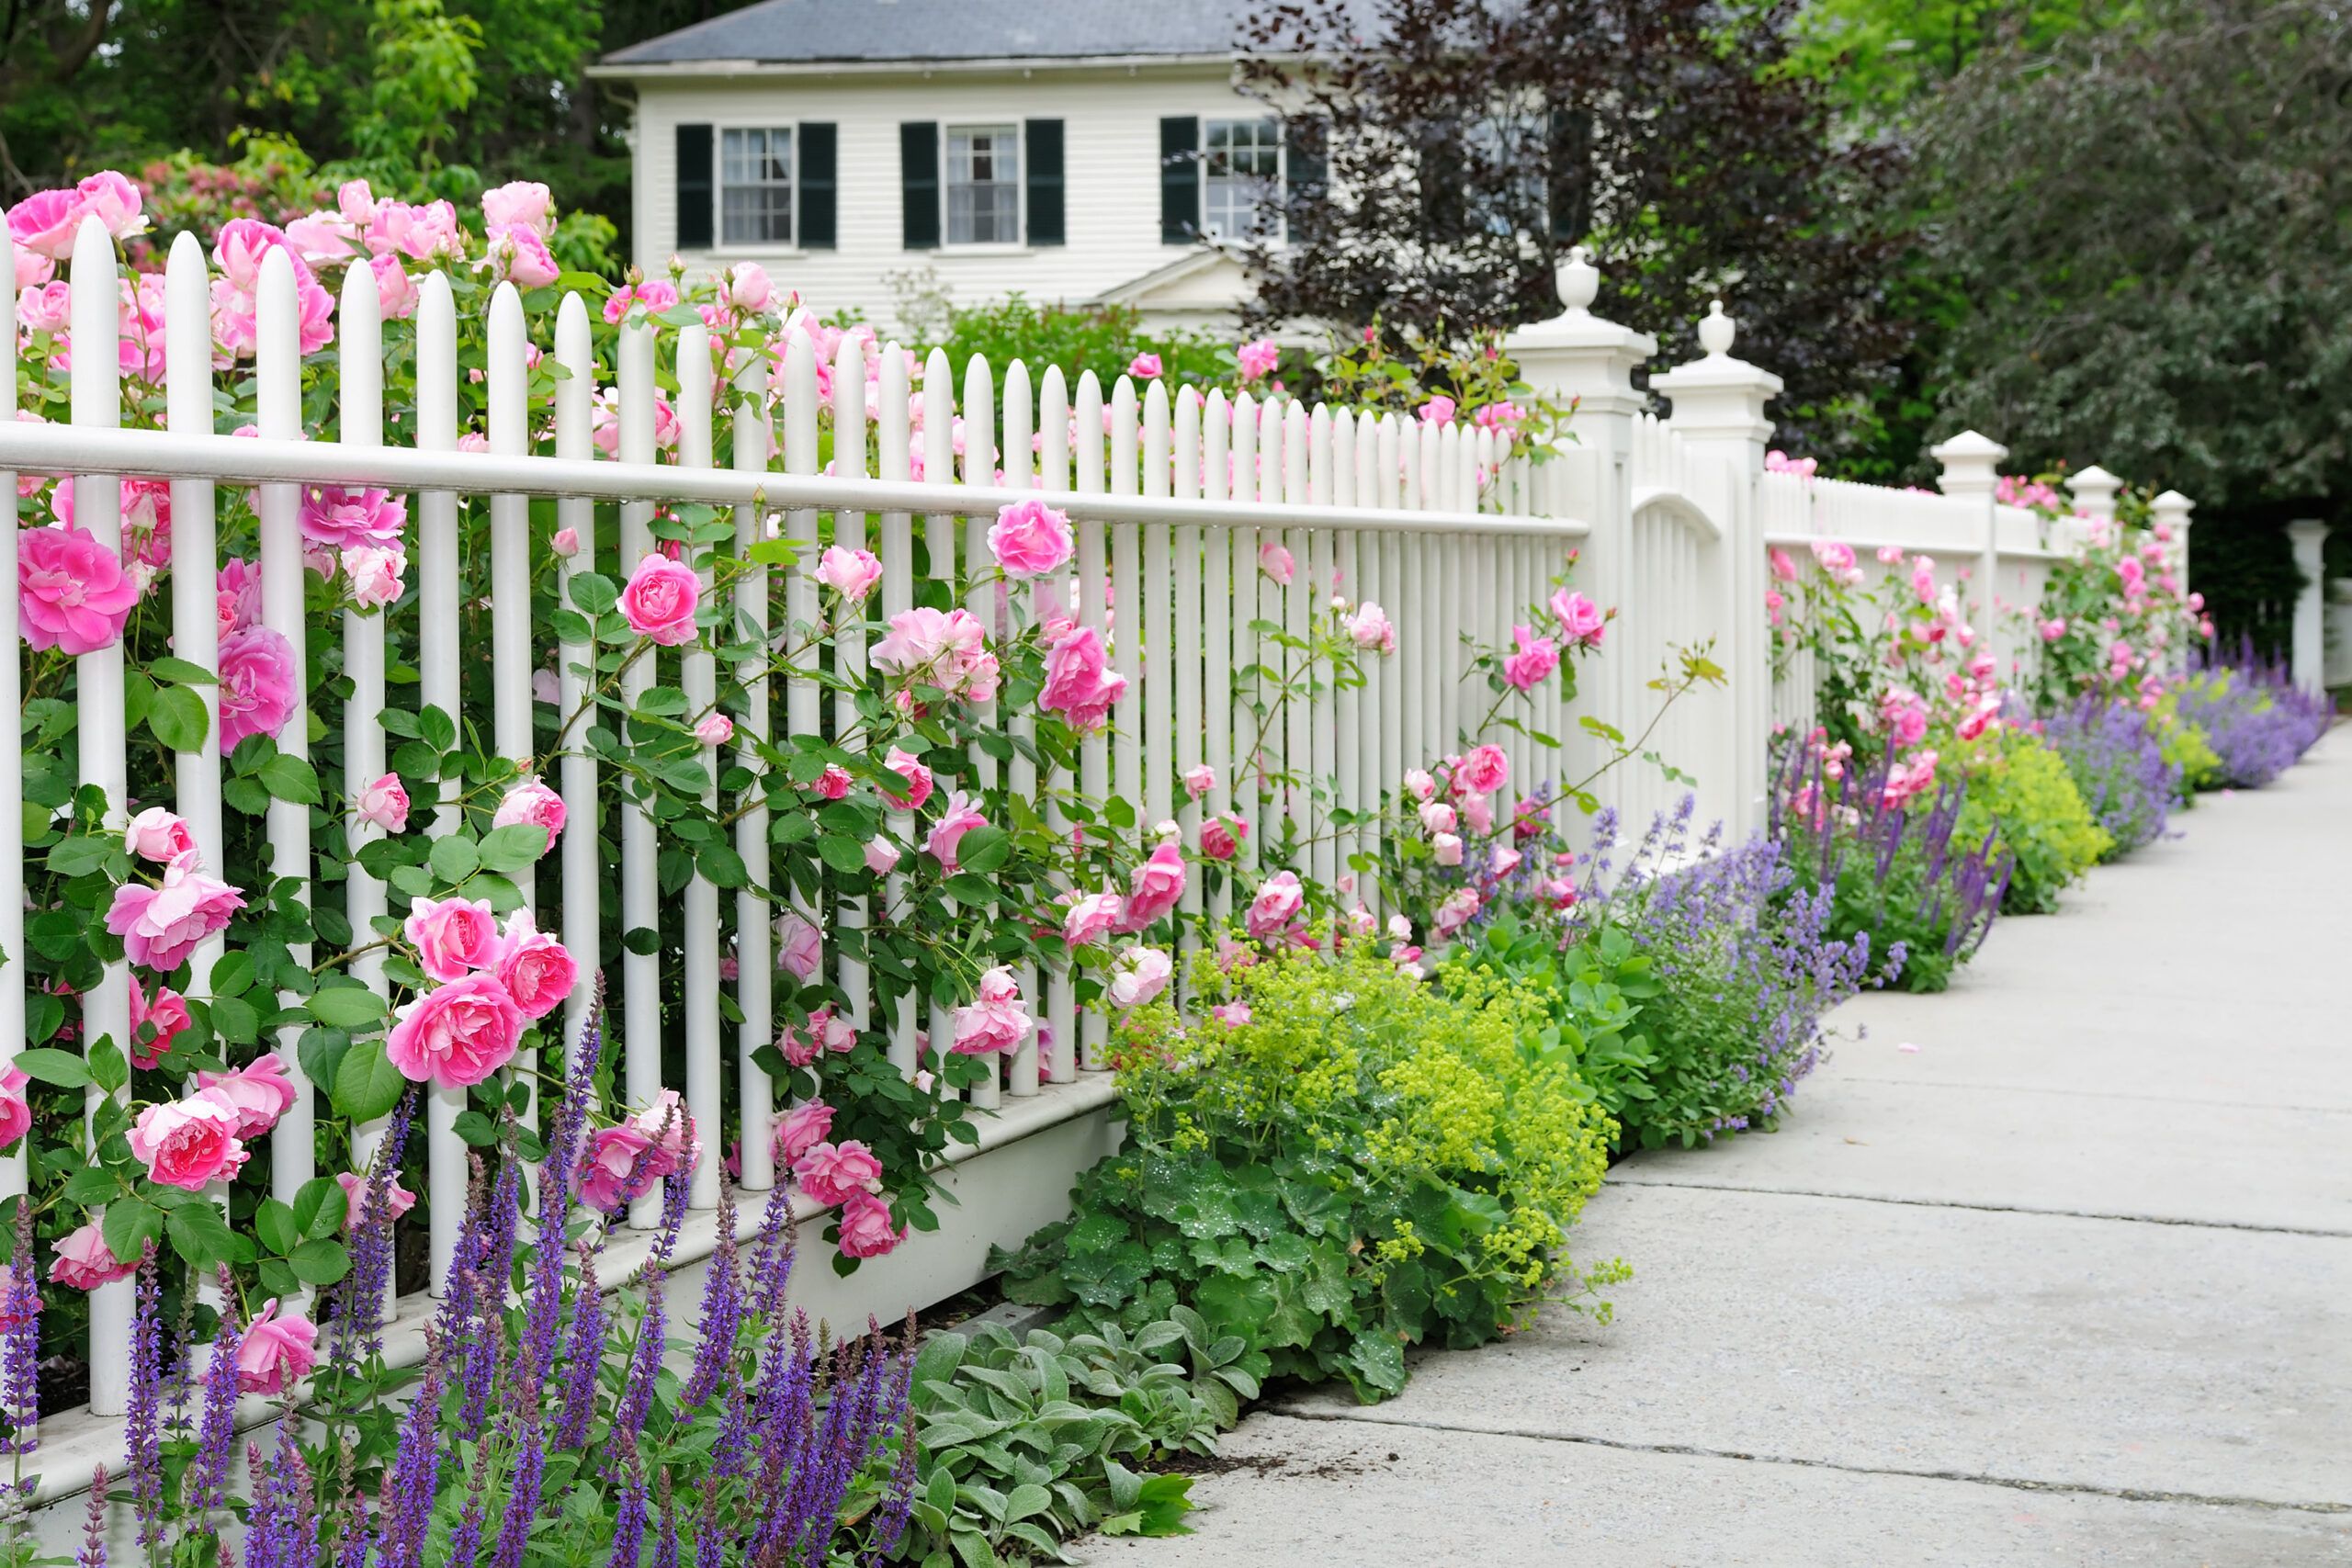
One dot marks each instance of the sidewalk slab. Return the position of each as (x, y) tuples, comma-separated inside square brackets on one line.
[(1347, 1494)]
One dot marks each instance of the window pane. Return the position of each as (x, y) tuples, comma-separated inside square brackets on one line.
[(1241, 186), (755, 187), (983, 185)]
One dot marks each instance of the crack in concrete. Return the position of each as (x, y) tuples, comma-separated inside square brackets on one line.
[(1693, 1450), (2184, 1102), (1987, 1208)]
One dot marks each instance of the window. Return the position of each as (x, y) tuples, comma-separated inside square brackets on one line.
[(1241, 162), (983, 185), (756, 188)]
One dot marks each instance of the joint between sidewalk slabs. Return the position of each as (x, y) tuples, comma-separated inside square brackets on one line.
[(1616, 1181), (1693, 1450)]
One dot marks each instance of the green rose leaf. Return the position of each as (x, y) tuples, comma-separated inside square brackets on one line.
[(510, 848), (319, 1262), (178, 720), (289, 779), (59, 1067), (368, 1086), (455, 858), (983, 850), (348, 1007), (129, 1226)]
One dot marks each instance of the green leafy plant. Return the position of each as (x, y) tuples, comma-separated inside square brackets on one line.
[(2019, 787), (1591, 994)]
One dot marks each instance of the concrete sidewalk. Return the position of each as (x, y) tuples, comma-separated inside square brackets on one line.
[(2053, 1269)]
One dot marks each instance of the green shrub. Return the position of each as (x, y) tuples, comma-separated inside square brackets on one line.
[(2019, 787), (1104, 339), (1358, 1162), (1590, 997)]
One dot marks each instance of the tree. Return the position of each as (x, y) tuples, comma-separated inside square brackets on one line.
[(2148, 230), (1446, 152)]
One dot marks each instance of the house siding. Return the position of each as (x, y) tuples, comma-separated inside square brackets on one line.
[(1111, 140)]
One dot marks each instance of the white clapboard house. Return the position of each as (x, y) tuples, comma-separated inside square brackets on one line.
[(870, 152)]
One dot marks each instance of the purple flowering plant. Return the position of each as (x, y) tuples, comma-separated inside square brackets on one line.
[(2257, 720), (2116, 753)]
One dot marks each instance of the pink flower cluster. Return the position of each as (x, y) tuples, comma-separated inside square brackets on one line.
[(944, 649), (492, 981)]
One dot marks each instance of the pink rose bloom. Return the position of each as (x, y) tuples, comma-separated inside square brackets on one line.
[(1481, 770), (166, 1009), (1369, 627), (1581, 621), (747, 288), (517, 204), (799, 948), (161, 926), (1233, 1015), (1478, 811), (398, 1199), (258, 684), (881, 856), (661, 600), (617, 1167), (385, 803), (276, 1351), (865, 1229), (341, 518), (996, 1021), (45, 222), (2051, 630), (1448, 848), (1144, 366), (1092, 918), (1079, 685), (1534, 661), (453, 936), (830, 1172), (396, 291), (944, 649), (259, 1093), (187, 1143), (1837, 559), (538, 971), (1559, 892), (1454, 913), (1783, 566), (802, 1130), (1905, 715), (374, 574), (533, 803), (1256, 359), (656, 295), (1418, 784), (158, 835), (72, 592), (84, 1261), (16, 1114), (962, 817), (715, 729), (1137, 976), (850, 573), (240, 596), (1031, 539), (565, 544), (1439, 410), (1276, 563), (673, 1143), (1923, 579), (833, 784), (1280, 899), (1199, 780), (456, 1035), (906, 765), (1437, 817), (1221, 835), (1155, 887), (45, 308)]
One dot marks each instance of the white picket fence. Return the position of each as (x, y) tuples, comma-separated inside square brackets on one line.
[(1173, 496)]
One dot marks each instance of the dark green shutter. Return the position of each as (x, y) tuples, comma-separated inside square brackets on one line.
[(1306, 170), (1180, 180), (918, 185), (1047, 225), (819, 200), (1564, 171), (694, 186)]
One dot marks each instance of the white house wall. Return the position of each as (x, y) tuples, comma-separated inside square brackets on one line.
[(1111, 140)]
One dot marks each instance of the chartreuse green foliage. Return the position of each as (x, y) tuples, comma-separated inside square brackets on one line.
[(1365, 1163), (1591, 995), (2020, 788)]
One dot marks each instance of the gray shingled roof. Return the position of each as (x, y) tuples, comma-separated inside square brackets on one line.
[(819, 30)]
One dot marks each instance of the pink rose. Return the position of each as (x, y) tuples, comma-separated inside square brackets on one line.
[(1418, 784), (833, 784), (1784, 566), (1031, 539), (16, 1113), (673, 1142), (1233, 1015), (72, 592), (453, 936), (345, 519), (944, 649), (1092, 918), (398, 1200), (1221, 835), (1534, 661), (661, 600), (715, 729), (830, 1172), (374, 575), (517, 204), (1446, 848), (1144, 366), (1280, 899), (161, 926), (258, 680), (617, 1168), (385, 803), (158, 835), (1276, 563), (2054, 628), (259, 1093), (962, 817), (45, 308), (1483, 771), (276, 1351), (1369, 627), (188, 1142), (1581, 621), (1137, 976), (1478, 811), (799, 948), (84, 1261), (802, 1130), (1078, 686), (166, 1009), (1439, 410), (1155, 887), (1199, 780), (565, 544), (996, 1021), (240, 596), (908, 767), (45, 222), (534, 803), (866, 1230), (1258, 358), (396, 291), (850, 573), (655, 295), (881, 856), (111, 198), (538, 971), (1559, 892), (456, 1035), (1454, 913), (1438, 817), (747, 286)]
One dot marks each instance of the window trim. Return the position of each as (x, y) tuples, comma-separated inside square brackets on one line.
[(1278, 235), (1018, 185), (719, 243)]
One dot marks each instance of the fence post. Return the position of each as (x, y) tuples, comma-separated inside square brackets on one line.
[(1580, 356), (2168, 514), (1971, 465), (1718, 404), (2309, 535)]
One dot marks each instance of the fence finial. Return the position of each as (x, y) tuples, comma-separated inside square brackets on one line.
[(1578, 280), (1716, 331)]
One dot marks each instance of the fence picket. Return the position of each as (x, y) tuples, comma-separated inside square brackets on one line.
[(754, 950), (699, 678), (640, 882)]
